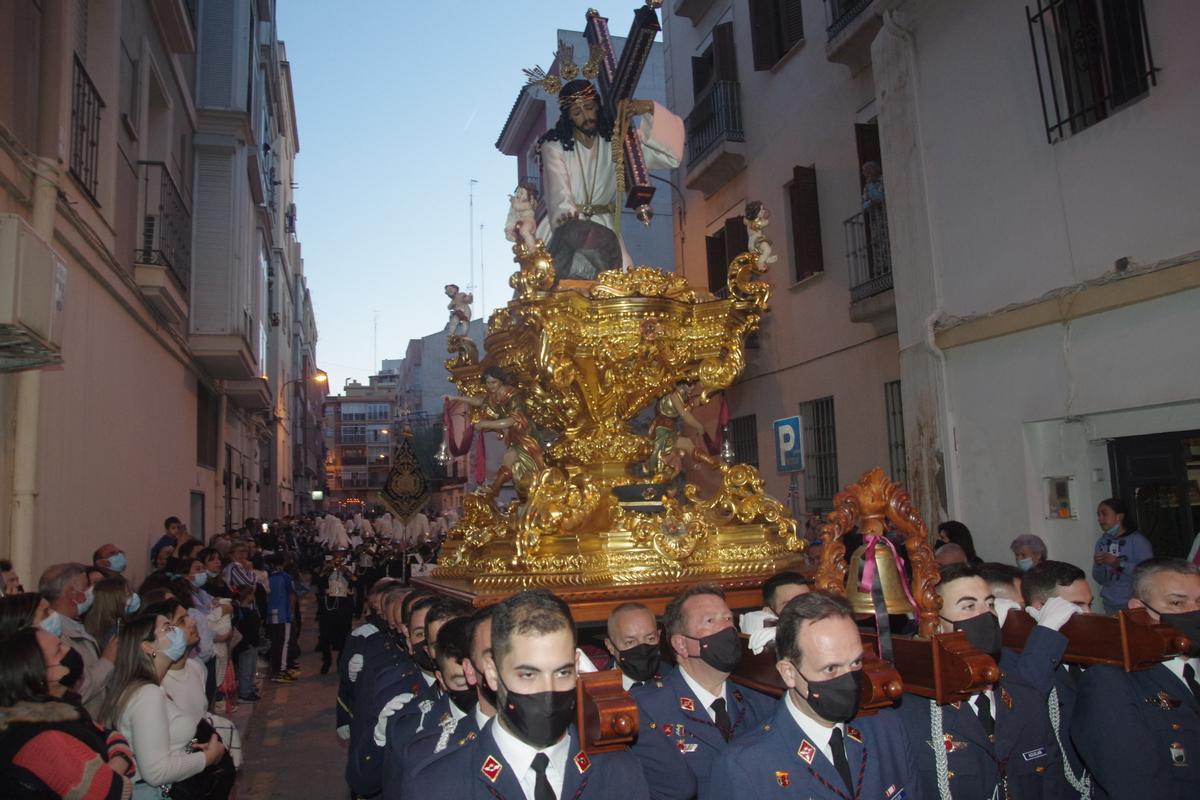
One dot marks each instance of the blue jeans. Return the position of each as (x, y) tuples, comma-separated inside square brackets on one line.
[(247, 663)]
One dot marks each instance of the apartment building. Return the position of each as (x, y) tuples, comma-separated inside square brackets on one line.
[(780, 106), (1047, 262), (138, 376), (360, 428)]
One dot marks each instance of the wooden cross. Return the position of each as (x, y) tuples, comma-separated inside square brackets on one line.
[(618, 82)]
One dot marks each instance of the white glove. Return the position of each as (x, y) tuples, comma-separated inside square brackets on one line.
[(1003, 605), (753, 621), (1054, 613), (585, 663), (343, 732), (761, 638)]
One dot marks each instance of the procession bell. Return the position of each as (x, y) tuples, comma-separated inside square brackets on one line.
[(890, 581), (728, 455)]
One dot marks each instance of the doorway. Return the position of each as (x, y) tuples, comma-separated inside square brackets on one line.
[(1158, 477)]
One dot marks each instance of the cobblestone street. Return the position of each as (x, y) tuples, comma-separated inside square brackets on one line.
[(291, 749)]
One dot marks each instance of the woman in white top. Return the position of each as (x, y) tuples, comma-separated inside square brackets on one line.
[(159, 732), (183, 682)]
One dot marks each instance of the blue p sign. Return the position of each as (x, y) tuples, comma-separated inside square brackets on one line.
[(789, 445)]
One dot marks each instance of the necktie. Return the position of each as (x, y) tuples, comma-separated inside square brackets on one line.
[(984, 706), (541, 784), (1189, 677), (838, 746), (724, 723)]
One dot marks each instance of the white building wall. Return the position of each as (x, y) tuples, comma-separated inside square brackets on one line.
[(994, 215)]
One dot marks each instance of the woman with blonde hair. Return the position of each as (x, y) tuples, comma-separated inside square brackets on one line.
[(114, 599)]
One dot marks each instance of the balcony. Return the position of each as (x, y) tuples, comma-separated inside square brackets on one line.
[(252, 394), (869, 258), (715, 140), (86, 105), (851, 26), (163, 264), (693, 10)]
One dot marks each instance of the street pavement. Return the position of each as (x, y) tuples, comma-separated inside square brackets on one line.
[(291, 750)]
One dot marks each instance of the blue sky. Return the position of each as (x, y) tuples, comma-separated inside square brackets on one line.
[(399, 105)]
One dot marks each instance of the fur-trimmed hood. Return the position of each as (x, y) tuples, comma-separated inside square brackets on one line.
[(34, 712)]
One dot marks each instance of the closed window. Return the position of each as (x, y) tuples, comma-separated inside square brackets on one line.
[(820, 454), (775, 26), (805, 213), (730, 241)]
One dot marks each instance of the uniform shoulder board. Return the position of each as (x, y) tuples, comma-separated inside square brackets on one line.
[(366, 629)]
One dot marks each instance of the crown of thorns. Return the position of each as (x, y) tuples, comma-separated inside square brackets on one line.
[(568, 70)]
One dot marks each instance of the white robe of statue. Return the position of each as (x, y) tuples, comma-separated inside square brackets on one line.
[(566, 176)]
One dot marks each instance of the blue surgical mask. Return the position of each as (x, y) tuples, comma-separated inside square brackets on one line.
[(52, 624), (88, 597), (212, 574), (200, 578), (133, 603), (117, 562), (1025, 564), (1114, 531), (178, 644)]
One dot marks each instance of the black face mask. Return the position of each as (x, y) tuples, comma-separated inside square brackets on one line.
[(983, 632), (1187, 623), (539, 719), (422, 658), (722, 650), (640, 662), (836, 699), (74, 664), (489, 694), (465, 699)]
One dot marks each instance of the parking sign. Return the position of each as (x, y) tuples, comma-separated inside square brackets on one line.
[(789, 445)]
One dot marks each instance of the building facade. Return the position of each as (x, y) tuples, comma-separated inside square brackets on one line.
[(1047, 260), (360, 428), (772, 115), (125, 134)]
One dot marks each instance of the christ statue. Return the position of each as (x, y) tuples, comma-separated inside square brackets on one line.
[(578, 175)]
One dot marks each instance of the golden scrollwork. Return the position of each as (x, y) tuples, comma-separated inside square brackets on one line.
[(587, 358), (466, 349), (743, 499), (643, 282), (536, 274), (744, 287)]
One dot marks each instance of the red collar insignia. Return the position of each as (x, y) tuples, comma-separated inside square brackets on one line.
[(582, 762), (491, 768), (807, 752), (1006, 698), (666, 729), (782, 778), (853, 733), (686, 704)]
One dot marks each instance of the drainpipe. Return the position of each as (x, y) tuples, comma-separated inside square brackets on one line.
[(219, 480)]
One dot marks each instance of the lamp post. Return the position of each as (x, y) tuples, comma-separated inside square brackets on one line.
[(319, 376)]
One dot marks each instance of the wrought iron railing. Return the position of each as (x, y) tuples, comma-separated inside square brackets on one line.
[(166, 224), (868, 253), (716, 118), (842, 12), (86, 105)]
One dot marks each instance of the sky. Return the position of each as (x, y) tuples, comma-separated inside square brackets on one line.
[(399, 105)]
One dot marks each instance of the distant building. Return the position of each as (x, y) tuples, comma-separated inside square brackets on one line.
[(534, 112), (360, 428)]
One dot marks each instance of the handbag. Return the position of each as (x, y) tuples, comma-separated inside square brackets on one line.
[(215, 782)]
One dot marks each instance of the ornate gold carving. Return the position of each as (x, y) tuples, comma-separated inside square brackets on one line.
[(587, 357), (465, 347), (872, 505)]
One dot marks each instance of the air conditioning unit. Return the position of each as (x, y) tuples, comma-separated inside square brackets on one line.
[(33, 284)]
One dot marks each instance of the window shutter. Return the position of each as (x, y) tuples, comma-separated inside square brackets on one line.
[(718, 266), (737, 240), (724, 53), (764, 33), (806, 222), (791, 24), (702, 74)]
